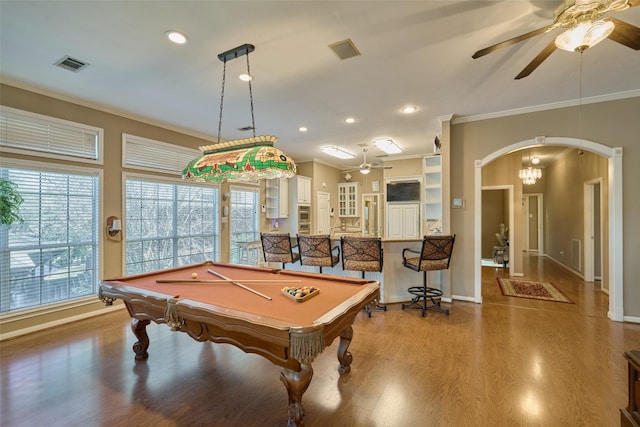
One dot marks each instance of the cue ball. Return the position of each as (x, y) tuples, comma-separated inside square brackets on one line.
[(194, 275)]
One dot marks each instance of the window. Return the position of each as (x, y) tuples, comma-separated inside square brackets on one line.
[(169, 225), (37, 135), (52, 256), (148, 154), (244, 220)]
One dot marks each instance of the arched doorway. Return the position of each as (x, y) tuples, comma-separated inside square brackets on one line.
[(614, 249)]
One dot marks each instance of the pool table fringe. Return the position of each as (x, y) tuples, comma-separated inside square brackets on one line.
[(306, 346)]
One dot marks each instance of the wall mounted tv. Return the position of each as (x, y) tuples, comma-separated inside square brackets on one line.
[(403, 191)]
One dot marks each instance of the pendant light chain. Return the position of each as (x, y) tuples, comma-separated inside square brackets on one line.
[(580, 107), (253, 120), (224, 74)]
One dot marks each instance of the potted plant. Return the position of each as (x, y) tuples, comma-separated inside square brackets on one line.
[(10, 201)]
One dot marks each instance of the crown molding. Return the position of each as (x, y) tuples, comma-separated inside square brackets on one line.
[(544, 107)]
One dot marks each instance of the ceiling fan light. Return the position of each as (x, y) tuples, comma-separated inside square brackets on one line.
[(365, 171), (584, 36), (387, 145), (337, 152)]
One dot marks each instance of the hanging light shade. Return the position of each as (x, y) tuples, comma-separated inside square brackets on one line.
[(239, 160), (585, 35)]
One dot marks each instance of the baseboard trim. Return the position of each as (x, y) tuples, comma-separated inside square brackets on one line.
[(53, 324)]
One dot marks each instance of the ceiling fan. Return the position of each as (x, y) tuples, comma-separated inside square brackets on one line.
[(365, 167), (584, 28)]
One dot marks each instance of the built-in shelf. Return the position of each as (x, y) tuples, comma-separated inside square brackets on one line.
[(277, 198), (432, 172)]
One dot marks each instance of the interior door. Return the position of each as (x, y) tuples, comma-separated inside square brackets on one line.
[(323, 222)]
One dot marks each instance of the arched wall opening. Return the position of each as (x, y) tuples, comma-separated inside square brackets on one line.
[(614, 248)]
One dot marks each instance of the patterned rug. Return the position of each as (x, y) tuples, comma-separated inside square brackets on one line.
[(535, 290)]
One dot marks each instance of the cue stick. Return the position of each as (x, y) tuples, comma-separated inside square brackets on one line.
[(239, 284), (223, 281)]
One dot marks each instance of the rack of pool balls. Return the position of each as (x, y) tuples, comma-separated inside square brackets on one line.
[(300, 294)]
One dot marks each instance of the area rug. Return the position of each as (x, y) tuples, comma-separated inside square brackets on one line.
[(535, 290)]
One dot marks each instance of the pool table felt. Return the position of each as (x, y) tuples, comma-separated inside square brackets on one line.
[(333, 290)]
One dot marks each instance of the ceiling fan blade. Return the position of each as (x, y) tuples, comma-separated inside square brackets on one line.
[(381, 167), (548, 50), (487, 50), (626, 34)]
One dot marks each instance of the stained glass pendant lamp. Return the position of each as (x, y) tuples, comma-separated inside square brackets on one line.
[(247, 159)]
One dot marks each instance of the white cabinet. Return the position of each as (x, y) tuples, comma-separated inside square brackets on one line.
[(277, 198), (303, 185), (432, 171), (348, 199), (403, 221)]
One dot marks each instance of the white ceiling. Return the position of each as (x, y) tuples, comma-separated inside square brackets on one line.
[(413, 52)]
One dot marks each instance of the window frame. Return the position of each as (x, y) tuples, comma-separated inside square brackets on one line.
[(168, 181), (233, 248), (33, 165), (55, 122)]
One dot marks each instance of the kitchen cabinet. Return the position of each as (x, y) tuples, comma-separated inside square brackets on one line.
[(303, 185), (348, 199), (403, 221)]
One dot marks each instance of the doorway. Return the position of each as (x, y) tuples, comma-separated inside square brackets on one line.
[(323, 222), (497, 217), (533, 224), (593, 231)]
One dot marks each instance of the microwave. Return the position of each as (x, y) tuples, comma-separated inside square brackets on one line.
[(304, 214)]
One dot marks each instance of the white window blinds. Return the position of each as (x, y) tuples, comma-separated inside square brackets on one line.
[(147, 154), (35, 134)]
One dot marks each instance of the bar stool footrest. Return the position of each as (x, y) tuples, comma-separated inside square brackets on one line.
[(421, 300)]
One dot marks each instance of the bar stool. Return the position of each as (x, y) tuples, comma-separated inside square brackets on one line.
[(362, 254), (276, 247), (317, 251), (435, 255)]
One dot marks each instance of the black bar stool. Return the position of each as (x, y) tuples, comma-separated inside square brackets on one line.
[(362, 254), (276, 247), (435, 255)]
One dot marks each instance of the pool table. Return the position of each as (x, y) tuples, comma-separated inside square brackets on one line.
[(244, 306)]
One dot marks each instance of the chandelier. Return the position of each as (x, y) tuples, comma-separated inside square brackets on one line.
[(530, 175), (239, 160)]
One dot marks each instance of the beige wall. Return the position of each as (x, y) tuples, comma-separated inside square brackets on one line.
[(114, 126), (611, 123)]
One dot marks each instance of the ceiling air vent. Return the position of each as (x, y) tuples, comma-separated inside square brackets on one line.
[(246, 128), (345, 49), (71, 64)]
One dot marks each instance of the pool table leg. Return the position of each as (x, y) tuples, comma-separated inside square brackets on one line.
[(139, 328), (344, 356), (296, 384)]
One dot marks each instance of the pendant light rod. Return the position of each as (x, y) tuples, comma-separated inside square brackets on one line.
[(236, 52)]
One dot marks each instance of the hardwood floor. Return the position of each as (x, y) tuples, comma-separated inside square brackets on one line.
[(506, 362)]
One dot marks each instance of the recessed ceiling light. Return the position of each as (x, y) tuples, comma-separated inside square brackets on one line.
[(176, 37), (535, 160), (349, 120), (245, 77), (303, 129), (409, 109)]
